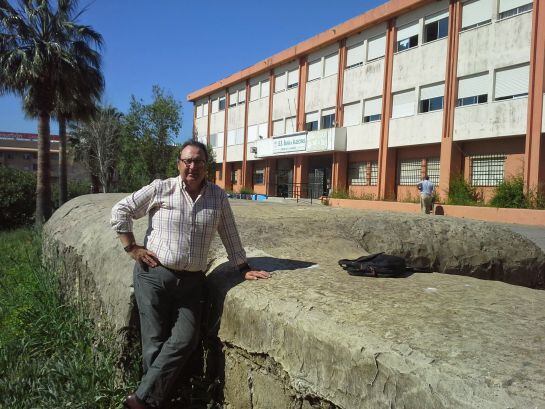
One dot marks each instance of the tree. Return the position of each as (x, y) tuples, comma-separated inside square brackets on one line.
[(96, 143), (148, 150), (43, 48)]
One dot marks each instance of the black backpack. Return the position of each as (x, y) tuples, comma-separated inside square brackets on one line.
[(376, 265)]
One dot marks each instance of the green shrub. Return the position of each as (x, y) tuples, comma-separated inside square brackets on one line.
[(462, 193), (246, 191), (17, 197), (339, 194), (510, 194)]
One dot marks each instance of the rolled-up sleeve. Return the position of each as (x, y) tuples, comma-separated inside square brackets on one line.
[(132, 207), (228, 232)]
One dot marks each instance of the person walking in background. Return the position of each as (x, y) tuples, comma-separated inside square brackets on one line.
[(426, 194), (184, 213)]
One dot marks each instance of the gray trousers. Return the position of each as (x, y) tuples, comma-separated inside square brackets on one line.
[(169, 303)]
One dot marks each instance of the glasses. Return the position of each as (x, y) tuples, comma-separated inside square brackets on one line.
[(197, 162)]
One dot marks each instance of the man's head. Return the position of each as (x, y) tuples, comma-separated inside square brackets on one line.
[(192, 163)]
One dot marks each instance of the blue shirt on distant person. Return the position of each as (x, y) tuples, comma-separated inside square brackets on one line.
[(426, 187)]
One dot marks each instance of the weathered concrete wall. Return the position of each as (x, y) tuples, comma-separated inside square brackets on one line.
[(313, 336)]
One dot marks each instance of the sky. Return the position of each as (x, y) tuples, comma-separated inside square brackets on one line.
[(183, 46)]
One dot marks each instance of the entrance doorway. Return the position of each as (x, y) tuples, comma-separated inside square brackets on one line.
[(319, 176), (284, 178)]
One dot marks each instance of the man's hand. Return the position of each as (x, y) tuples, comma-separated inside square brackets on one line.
[(144, 256), (256, 275)]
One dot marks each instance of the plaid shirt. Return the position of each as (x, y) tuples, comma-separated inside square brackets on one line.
[(180, 230)]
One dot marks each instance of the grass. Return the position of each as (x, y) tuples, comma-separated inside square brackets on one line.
[(51, 355)]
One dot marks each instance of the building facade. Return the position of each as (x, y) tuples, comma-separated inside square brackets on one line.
[(20, 151), (410, 88)]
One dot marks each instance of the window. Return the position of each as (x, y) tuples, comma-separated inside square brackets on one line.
[(328, 118), (432, 170), (374, 173), (214, 140), (27, 156), (476, 13), (314, 69), (372, 110), (263, 130), (293, 78), (510, 8), (221, 136), (9, 155), (278, 127), (473, 90), (233, 98), (222, 103), (215, 105), (34, 167), (431, 98), (410, 172), (487, 170), (234, 176), (311, 121), (198, 111), (354, 55), (259, 178), (254, 92), (280, 82), (265, 88), (231, 137), (403, 104), (511, 83), (407, 37), (242, 96), (376, 47), (331, 64), (357, 173), (363, 173), (253, 133), (220, 171), (436, 26), (291, 125), (352, 114), (205, 109)]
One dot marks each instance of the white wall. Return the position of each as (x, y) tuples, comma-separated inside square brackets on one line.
[(416, 130), (420, 65), (201, 126), (258, 111), (235, 153), (500, 118), (219, 154), (321, 93), (285, 103), (363, 82), (496, 45), (236, 117), (364, 136), (217, 122)]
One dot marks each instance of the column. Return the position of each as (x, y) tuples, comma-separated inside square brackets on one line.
[(226, 176), (246, 182), (451, 156), (386, 156), (339, 109), (301, 91), (534, 172)]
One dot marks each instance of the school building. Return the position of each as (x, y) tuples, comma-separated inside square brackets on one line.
[(410, 88)]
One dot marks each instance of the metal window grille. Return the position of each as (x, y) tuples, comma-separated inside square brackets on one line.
[(357, 172), (487, 170), (374, 173), (432, 170), (259, 177), (410, 172)]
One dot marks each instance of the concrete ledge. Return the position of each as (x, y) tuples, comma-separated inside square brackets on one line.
[(313, 336), (491, 214)]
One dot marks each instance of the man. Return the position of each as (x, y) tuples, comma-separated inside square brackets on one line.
[(184, 212), (426, 194)]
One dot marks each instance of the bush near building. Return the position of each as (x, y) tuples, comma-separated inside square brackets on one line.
[(462, 193), (17, 197)]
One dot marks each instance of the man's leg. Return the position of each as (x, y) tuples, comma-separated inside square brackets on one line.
[(154, 310), (185, 299), (428, 203), (422, 204)]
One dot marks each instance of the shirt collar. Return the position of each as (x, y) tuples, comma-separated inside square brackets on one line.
[(183, 185)]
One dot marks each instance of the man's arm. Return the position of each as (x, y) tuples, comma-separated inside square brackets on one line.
[(230, 238), (132, 207)]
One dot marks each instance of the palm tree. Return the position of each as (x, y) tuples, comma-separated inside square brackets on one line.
[(43, 53)]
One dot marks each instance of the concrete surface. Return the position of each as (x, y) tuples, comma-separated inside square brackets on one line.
[(314, 337)]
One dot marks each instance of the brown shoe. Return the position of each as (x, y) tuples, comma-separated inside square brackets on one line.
[(132, 402)]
